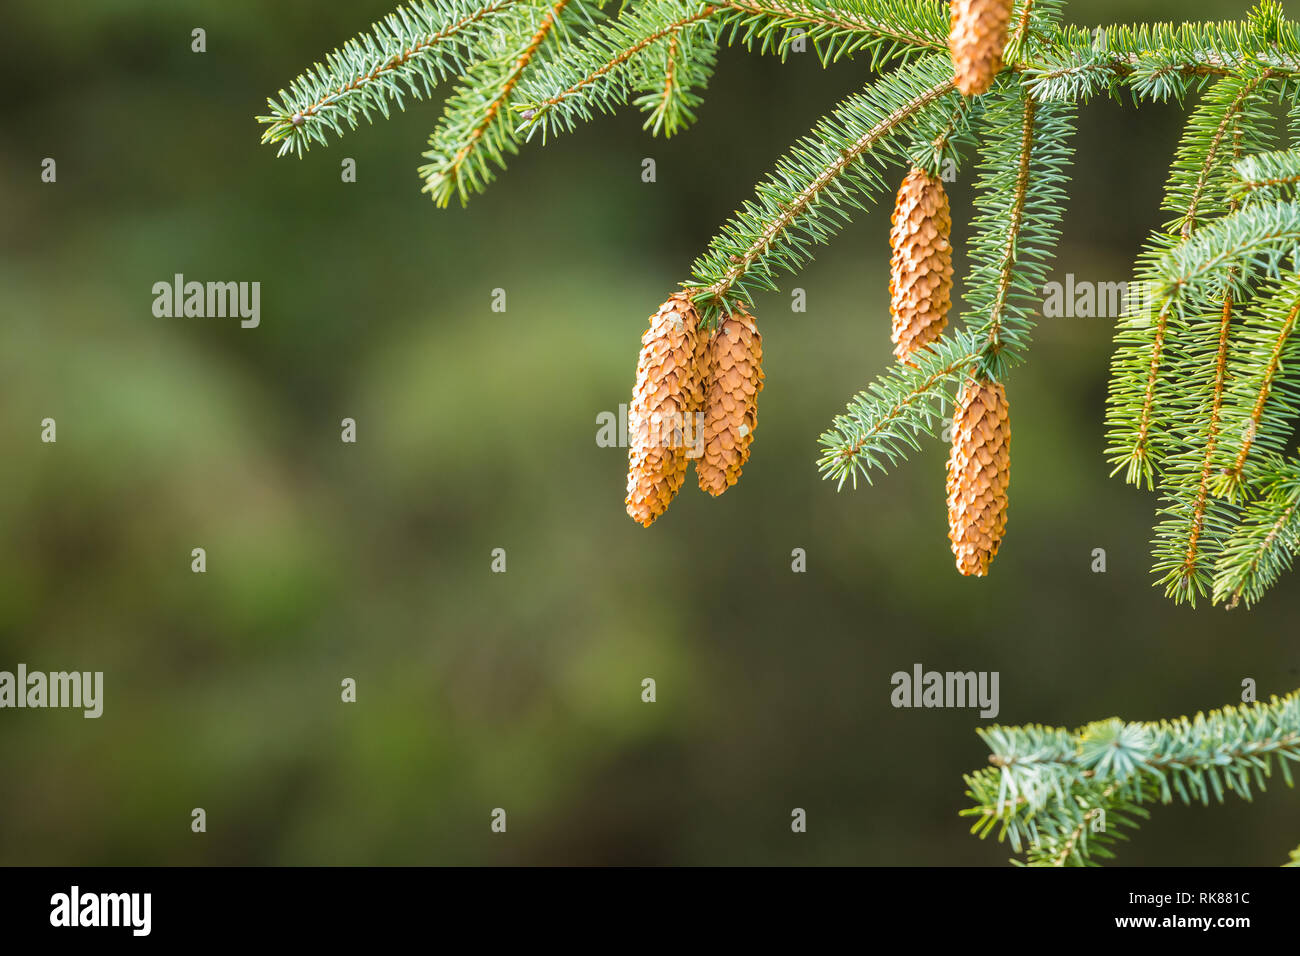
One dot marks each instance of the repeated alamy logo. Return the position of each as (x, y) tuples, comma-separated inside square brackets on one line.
[(81, 690), (75, 908), (962, 689), (1083, 299), (209, 300), (662, 431)]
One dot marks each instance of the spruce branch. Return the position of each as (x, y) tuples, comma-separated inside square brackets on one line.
[(1068, 826), (1073, 849), (1202, 168), (804, 200), (1035, 30), (954, 140), (671, 85), (1263, 397), (1191, 514), (1195, 524), (883, 423), (1264, 544), (1021, 196), (1227, 257), (602, 73), (1230, 253), (673, 99), (1015, 221), (476, 132), (1048, 788), (406, 54), (1138, 420), (1163, 61), (1266, 177), (885, 29)]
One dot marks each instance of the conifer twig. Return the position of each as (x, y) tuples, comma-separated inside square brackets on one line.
[(470, 124), (409, 52), (619, 59), (1046, 786), (791, 211)]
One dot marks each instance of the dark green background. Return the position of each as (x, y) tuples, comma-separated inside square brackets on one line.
[(477, 431)]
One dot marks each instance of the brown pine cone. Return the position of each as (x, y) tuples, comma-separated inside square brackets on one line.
[(976, 38), (734, 379), (662, 418), (920, 270), (979, 470)]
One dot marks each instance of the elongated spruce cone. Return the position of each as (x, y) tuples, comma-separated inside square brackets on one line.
[(920, 269), (734, 379), (662, 419), (976, 38), (979, 471)]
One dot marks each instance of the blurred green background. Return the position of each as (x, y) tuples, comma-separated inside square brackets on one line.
[(476, 431)]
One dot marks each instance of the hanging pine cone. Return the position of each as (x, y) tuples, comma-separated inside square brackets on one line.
[(976, 38), (669, 393), (734, 379), (979, 470), (920, 270)]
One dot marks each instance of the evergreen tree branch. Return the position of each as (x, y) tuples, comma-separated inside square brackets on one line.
[(940, 154), (803, 201), (474, 134), (1225, 257), (600, 74), (1230, 253), (1180, 550), (1086, 835), (1046, 786), (1158, 62), (1265, 542), (1035, 30), (1211, 165), (1195, 525), (1074, 826), (1267, 177), (885, 29), (1018, 33), (660, 108), (1137, 420), (689, 57), (1263, 399), (1072, 849), (1025, 149), (885, 421), (406, 54), (1015, 221)]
